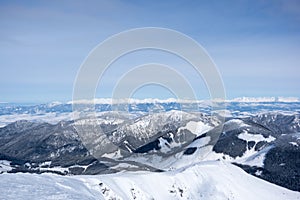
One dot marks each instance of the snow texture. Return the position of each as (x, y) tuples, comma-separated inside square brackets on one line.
[(214, 180)]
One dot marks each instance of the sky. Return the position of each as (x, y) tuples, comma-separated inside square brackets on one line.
[(255, 44)]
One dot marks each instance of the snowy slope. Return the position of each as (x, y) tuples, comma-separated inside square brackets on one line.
[(261, 138), (207, 180)]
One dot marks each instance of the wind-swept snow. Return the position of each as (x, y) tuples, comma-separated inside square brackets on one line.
[(207, 180)]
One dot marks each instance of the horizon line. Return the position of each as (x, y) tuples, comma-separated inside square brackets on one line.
[(167, 100)]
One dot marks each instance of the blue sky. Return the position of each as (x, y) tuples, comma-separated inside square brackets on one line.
[(255, 44)]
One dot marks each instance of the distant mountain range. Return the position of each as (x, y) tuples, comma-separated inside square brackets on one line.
[(261, 138)]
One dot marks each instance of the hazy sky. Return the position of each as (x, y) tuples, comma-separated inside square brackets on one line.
[(255, 44)]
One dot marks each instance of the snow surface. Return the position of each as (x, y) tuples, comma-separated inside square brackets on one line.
[(250, 157), (200, 142), (234, 124), (216, 180), (254, 158), (5, 166), (197, 128), (255, 137), (294, 144)]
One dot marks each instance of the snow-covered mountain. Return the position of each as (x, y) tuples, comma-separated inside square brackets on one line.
[(261, 138), (205, 180), (40, 147), (55, 111)]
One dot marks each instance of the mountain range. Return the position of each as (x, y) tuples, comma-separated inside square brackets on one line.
[(263, 139)]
